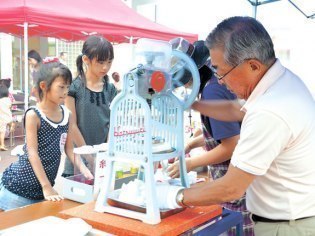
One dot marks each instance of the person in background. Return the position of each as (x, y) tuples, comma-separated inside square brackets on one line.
[(5, 114), (7, 83), (218, 137), (63, 57), (274, 158), (90, 95), (34, 61), (49, 132), (117, 82)]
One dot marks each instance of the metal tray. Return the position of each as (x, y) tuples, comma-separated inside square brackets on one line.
[(113, 201)]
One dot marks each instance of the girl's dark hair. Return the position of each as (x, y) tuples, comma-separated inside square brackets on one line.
[(95, 47), (35, 55), (6, 82), (48, 72), (4, 91), (201, 57), (205, 75)]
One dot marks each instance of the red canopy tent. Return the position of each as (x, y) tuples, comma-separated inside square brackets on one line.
[(76, 19)]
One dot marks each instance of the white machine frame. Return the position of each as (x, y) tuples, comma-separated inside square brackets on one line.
[(133, 126)]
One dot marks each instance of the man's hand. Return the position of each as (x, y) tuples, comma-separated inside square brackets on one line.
[(166, 195), (187, 148), (173, 170)]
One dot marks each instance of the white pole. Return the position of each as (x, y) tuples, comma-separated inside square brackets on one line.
[(25, 65), (20, 65), (6, 57), (254, 11), (57, 47)]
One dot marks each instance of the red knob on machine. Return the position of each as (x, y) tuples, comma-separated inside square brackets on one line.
[(158, 81)]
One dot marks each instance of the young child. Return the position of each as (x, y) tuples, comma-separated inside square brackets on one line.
[(5, 114), (7, 83), (90, 94), (48, 134)]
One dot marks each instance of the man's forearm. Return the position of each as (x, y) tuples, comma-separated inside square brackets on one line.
[(220, 110)]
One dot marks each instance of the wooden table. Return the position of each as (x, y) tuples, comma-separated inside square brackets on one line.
[(18, 103), (169, 226), (34, 212), (186, 221)]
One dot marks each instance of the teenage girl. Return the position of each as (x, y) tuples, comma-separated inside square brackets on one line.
[(90, 94), (48, 134)]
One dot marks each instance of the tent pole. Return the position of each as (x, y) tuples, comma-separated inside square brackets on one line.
[(132, 48), (255, 11), (25, 66), (20, 65)]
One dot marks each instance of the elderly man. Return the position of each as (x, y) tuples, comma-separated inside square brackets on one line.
[(274, 160)]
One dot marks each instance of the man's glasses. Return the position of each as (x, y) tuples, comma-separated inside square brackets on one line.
[(219, 77)]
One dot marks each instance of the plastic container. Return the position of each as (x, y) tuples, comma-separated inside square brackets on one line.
[(155, 53), (78, 187)]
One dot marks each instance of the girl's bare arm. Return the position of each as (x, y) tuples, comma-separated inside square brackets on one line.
[(77, 136), (69, 149)]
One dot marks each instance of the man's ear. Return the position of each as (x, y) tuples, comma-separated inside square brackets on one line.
[(254, 64)]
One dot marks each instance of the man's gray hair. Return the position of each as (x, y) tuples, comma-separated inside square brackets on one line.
[(242, 38)]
